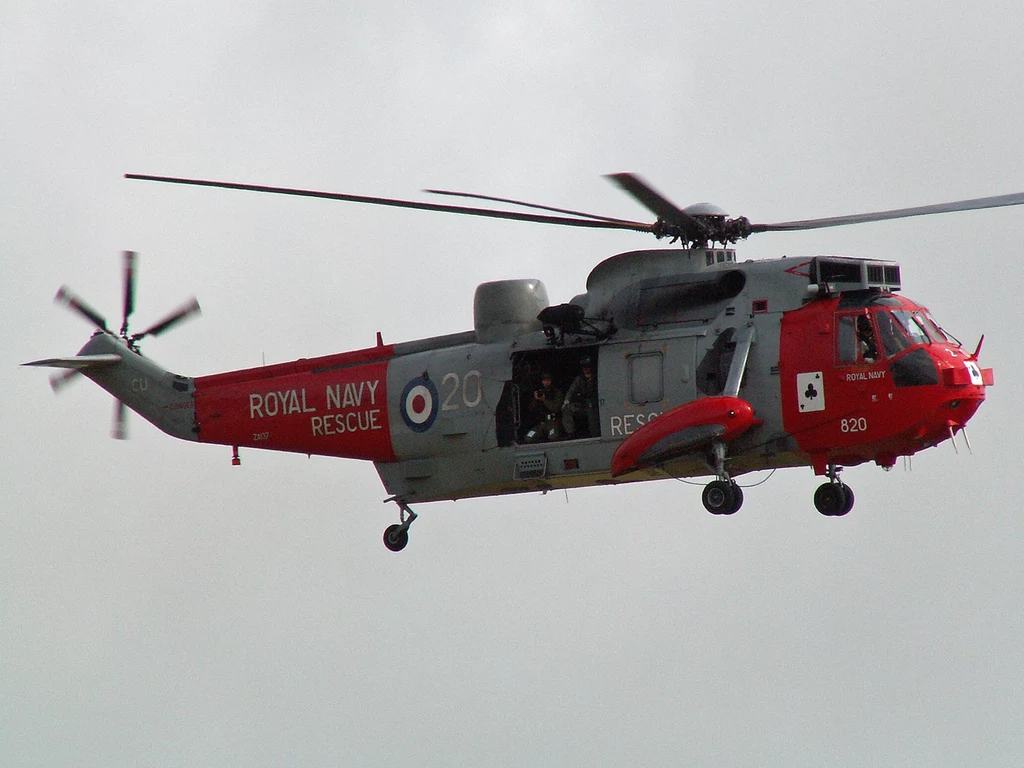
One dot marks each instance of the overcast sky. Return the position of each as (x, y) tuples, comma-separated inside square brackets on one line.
[(161, 607)]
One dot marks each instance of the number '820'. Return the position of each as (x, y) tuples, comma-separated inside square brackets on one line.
[(853, 425)]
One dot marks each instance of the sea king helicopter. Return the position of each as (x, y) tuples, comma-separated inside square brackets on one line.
[(674, 363)]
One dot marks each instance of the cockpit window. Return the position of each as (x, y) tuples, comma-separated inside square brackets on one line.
[(894, 338), (935, 330), (909, 322)]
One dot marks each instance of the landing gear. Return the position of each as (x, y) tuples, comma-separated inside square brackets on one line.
[(397, 536), (834, 498), (721, 496)]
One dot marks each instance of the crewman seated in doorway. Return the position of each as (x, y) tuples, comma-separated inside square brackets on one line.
[(546, 409)]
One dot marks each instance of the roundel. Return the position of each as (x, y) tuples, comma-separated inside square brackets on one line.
[(419, 404)]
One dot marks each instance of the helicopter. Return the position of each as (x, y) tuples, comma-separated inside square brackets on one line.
[(677, 362)]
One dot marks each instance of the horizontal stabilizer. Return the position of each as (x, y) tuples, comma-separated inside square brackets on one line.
[(77, 363)]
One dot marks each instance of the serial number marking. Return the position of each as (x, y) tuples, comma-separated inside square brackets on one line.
[(854, 425), (472, 390), (260, 436)]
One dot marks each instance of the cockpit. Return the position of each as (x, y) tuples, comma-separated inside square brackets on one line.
[(876, 328)]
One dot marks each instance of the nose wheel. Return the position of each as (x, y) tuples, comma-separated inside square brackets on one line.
[(397, 536), (834, 498)]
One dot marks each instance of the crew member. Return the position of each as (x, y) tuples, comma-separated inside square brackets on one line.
[(546, 409), (580, 410), (866, 340)]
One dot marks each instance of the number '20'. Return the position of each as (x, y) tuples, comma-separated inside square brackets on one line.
[(472, 390)]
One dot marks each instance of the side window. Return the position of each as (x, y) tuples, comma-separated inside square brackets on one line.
[(846, 336), (646, 378), (855, 340)]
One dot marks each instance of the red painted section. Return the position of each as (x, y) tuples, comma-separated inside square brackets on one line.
[(734, 414), (858, 413), (960, 376), (331, 406)]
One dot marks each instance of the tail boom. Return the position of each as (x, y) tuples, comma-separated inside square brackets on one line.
[(162, 398)]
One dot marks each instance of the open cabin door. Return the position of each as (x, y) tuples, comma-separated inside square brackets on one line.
[(551, 397)]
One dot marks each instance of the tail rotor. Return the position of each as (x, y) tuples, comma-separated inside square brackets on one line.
[(71, 301), (184, 312), (68, 299)]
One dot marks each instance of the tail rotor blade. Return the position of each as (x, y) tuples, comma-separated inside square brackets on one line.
[(179, 315), (68, 299), (120, 429), (60, 380), (129, 289)]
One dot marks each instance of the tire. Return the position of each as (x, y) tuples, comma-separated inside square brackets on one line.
[(848, 503), (737, 499), (395, 537), (830, 499), (719, 497)]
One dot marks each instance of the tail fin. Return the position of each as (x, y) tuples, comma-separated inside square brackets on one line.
[(162, 398), (113, 361)]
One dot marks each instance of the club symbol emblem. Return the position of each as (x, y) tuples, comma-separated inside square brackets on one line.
[(810, 392)]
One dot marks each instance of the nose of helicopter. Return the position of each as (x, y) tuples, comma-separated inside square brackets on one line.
[(961, 391)]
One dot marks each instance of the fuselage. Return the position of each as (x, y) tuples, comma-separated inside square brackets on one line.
[(847, 374)]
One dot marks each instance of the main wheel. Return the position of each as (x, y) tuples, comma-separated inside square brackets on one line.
[(396, 537), (833, 499), (737, 499), (848, 504), (721, 497)]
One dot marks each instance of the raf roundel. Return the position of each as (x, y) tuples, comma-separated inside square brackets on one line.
[(419, 404)]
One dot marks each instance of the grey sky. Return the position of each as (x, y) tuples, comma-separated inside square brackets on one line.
[(160, 607)]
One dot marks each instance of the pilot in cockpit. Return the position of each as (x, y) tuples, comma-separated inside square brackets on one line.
[(866, 340)]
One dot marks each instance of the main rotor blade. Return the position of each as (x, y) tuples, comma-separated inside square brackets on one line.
[(183, 313), (68, 299), (651, 199), (129, 289), (539, 207), (997, 201), (394, 203)]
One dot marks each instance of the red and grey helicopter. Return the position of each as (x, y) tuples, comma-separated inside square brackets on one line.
[(679, 362)]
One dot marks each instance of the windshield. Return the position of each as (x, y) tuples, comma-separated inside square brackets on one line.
[(935, 330), (894, 338), (913, 328), (859, 341)]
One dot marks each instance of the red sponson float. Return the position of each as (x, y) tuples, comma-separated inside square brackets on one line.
[(681, 430)]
